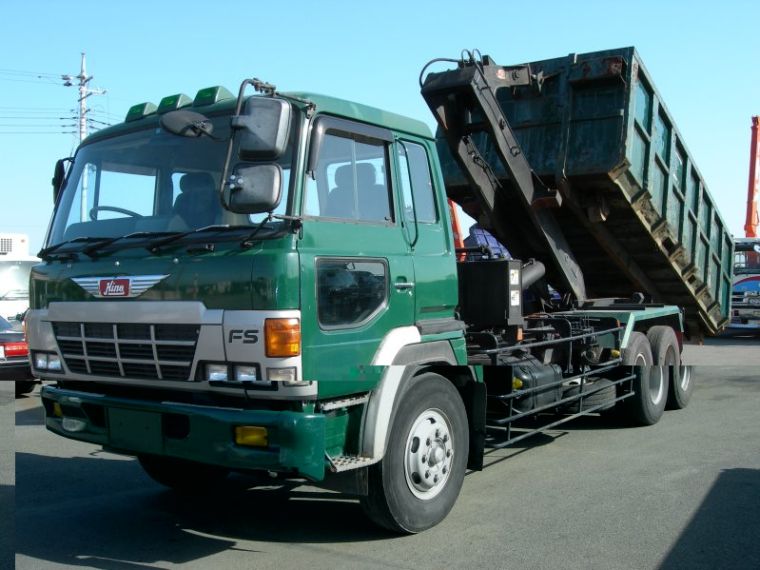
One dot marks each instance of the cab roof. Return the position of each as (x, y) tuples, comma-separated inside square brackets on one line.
[(324, 104)]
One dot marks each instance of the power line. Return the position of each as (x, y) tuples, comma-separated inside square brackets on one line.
[(33, 117), (38, 132), (50, 118), (26, 72)]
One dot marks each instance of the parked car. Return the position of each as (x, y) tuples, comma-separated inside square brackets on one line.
[(14, 358)]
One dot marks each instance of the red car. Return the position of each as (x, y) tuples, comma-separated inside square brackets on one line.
[(14, 358)]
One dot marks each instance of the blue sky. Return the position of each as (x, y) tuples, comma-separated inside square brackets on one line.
[(704, 58)]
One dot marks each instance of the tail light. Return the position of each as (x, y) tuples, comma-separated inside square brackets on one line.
[(16, 349)]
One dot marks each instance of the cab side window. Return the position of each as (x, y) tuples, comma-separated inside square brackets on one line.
[(416, 182), (350, 181), (350, 291)]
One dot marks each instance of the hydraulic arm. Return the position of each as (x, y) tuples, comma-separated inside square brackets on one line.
[(463, 101)]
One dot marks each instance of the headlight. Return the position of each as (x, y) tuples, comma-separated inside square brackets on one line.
[(217, 372), (54, 363), (47, 361), (40, 361), (247, 373), (288, 376)]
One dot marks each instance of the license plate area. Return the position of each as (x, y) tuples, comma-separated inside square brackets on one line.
[(135, 430)]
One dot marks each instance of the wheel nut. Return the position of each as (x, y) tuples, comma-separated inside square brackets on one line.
[(424, 459), (445, 470), (445, 438), (427, 474), (435, 479), (428, 442), (437, 433)]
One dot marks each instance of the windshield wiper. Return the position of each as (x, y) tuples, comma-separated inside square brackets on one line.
[(156, 245), (94, 249), (46, 251)]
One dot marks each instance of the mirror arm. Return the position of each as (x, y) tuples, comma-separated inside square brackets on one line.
[(236, 123)]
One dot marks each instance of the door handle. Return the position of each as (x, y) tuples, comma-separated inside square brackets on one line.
[(403, 285)]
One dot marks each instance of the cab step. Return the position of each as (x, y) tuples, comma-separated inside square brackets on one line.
[(341, 463)]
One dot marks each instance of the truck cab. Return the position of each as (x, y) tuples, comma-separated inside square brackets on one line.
[(152, 286)]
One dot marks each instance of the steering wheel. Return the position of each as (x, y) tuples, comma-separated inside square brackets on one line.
[(97, 209)]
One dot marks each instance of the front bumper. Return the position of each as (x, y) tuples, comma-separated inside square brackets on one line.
[(15, 369), (296, 442)]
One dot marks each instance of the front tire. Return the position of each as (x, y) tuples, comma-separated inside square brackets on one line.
[(650, 386), (418, 481)]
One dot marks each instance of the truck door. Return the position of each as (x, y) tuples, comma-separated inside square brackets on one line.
[(428, 232), (357, 276)]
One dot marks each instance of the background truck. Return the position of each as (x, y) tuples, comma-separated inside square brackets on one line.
[(15, 266), (271, 283), (745, 305)]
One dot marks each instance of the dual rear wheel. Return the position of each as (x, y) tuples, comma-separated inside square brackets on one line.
[(661, 380)]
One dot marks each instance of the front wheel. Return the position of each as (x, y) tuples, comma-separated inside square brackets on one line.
[(418, 481)]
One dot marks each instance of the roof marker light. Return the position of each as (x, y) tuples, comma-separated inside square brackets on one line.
[(211, 95), (173, 102), (139, 111)]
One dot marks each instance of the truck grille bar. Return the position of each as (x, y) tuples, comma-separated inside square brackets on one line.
[(128, 350)]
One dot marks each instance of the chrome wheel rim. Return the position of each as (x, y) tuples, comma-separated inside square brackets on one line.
[(428, 454), (654, 375)]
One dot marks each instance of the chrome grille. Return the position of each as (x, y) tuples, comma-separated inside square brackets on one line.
[(140, 351)]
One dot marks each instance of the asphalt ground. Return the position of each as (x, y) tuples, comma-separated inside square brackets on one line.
[(7, 476), (684, 493)]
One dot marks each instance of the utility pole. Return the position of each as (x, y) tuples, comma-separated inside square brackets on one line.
[(84, 92)]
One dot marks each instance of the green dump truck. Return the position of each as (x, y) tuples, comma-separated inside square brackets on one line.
[(271, 283)]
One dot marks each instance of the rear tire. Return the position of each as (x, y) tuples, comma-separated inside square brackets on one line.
[(650, 385), (681, 388), (604, 395), (180, 474), (667, 354), (418, 481)]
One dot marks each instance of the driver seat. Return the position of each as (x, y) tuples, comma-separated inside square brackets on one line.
[(198, 204)]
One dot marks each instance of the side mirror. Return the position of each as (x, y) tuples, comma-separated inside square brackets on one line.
[(263, 128), (756, 247), (59, 176), (254, 189)]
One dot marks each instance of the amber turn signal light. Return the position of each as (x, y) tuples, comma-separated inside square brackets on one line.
[(282, 337)]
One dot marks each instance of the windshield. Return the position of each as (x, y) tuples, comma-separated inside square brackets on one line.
[(746, 258), (150, 181)]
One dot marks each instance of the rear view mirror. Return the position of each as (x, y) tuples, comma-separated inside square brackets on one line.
[(254, 189), (263, 128), (59, 176)]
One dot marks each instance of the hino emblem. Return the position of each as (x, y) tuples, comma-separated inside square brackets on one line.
[(118, 286), (114, 287)]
